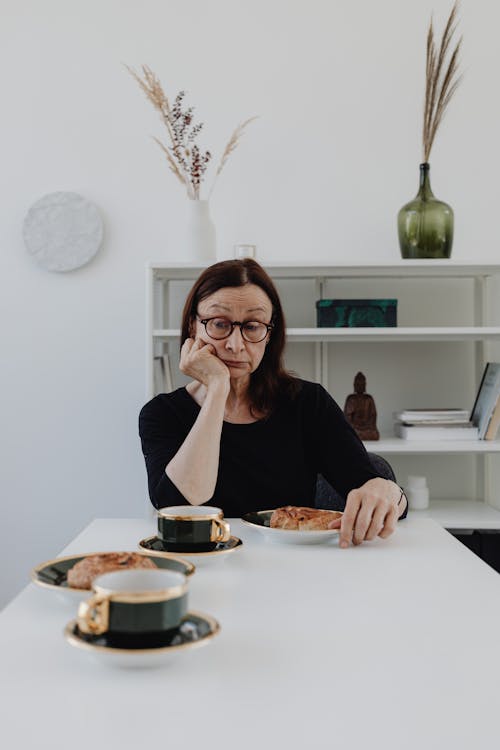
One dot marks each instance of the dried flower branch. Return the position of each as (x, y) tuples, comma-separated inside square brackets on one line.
[(171, 163), (233, 142), (439, 86), (185, 158)]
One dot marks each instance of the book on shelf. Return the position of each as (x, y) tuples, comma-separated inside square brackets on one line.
[(486, 398), (446, 431), (456, 424), (162, 374), (494, 423), (432, 415)]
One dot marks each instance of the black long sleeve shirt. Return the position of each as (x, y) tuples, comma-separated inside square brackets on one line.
[(264, 464)]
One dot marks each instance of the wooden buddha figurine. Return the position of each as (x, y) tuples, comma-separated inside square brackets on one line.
[(360, 410)]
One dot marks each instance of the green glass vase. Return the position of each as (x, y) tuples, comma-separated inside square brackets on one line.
[(425, 225)]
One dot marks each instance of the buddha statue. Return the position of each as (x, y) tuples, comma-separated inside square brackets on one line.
[(360, 410)]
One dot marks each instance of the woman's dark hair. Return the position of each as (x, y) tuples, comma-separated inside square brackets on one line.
[(270, 382)]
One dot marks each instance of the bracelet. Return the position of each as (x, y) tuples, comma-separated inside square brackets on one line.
[(402, 495)]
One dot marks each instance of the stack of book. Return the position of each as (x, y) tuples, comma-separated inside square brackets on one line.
[(435, 424), (457, 424)]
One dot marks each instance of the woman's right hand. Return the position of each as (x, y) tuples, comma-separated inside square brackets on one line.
[(199, 361)]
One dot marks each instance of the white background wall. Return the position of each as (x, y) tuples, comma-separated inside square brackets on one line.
[(338, 86)]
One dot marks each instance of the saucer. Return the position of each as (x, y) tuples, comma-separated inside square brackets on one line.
[(260, 521), (197, 629), (153, 545), (52, 574)]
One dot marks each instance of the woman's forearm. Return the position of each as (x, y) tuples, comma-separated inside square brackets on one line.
[(194, 467)]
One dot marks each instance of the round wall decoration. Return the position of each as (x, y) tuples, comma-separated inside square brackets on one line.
[(62, 231)]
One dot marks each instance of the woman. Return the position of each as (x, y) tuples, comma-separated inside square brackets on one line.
[(244, 434)]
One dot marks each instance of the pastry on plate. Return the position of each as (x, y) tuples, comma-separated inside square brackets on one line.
[(81, 575), (303, 519)]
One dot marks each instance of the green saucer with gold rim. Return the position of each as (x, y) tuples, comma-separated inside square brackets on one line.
[(155, 546), (197, 629), (53, 574)]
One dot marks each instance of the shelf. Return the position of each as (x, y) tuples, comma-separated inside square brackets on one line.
[(461, 514), (454, 333), (476, 275), (394, 445), (428, 334), (402, 269)]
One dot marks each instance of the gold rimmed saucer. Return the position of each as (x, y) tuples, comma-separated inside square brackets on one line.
[(53, 574), (197, 629), (153, 545)]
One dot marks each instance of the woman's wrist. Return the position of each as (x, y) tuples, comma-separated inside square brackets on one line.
[(402, 503), (218, 385), (216, 393), (398, 497)]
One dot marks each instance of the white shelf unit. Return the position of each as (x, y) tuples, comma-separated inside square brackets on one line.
[(461, 514), (163, 336)]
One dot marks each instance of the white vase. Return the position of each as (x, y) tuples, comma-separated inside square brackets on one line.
[(199, 242)]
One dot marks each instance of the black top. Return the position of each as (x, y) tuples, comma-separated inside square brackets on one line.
[(264, 464)]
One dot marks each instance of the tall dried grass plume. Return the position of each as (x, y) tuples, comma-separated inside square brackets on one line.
[(442, 79)]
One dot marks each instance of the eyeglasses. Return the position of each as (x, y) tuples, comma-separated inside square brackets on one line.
[(251, 330)]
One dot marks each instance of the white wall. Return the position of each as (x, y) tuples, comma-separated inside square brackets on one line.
[(338, 86)]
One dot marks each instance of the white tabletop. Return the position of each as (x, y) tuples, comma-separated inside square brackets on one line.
[(393, 644)]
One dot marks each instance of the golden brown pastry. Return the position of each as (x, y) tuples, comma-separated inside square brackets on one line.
[(81, 575), (302, 519)]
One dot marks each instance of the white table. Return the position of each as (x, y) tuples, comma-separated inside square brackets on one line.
[(392, 644)]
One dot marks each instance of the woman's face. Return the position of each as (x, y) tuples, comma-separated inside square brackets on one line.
[(243, 303)]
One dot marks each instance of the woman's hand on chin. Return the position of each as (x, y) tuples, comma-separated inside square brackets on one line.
[(200, 362)]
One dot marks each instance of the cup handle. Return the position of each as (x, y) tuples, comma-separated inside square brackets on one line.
[(222, 531), (93, 615)]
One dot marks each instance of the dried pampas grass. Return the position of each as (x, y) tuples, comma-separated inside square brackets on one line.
[(233, 142), (441, 80)]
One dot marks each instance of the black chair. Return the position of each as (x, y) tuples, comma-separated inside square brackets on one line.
[(328, 498)]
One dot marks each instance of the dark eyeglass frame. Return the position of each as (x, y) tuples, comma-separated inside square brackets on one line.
[(233, 323)]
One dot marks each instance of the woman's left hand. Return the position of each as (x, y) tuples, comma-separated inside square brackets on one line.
[(371, 510)]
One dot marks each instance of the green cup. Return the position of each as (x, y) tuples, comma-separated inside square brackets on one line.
[(130, 605), (195, 528)]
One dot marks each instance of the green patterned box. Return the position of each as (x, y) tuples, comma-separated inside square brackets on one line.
[(356, 313)]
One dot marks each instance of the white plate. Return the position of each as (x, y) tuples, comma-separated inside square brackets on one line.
[(197, 630), (52, 574), (260, 521)]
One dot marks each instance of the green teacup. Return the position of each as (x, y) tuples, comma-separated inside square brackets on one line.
[(132, 604), (192, 527)]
